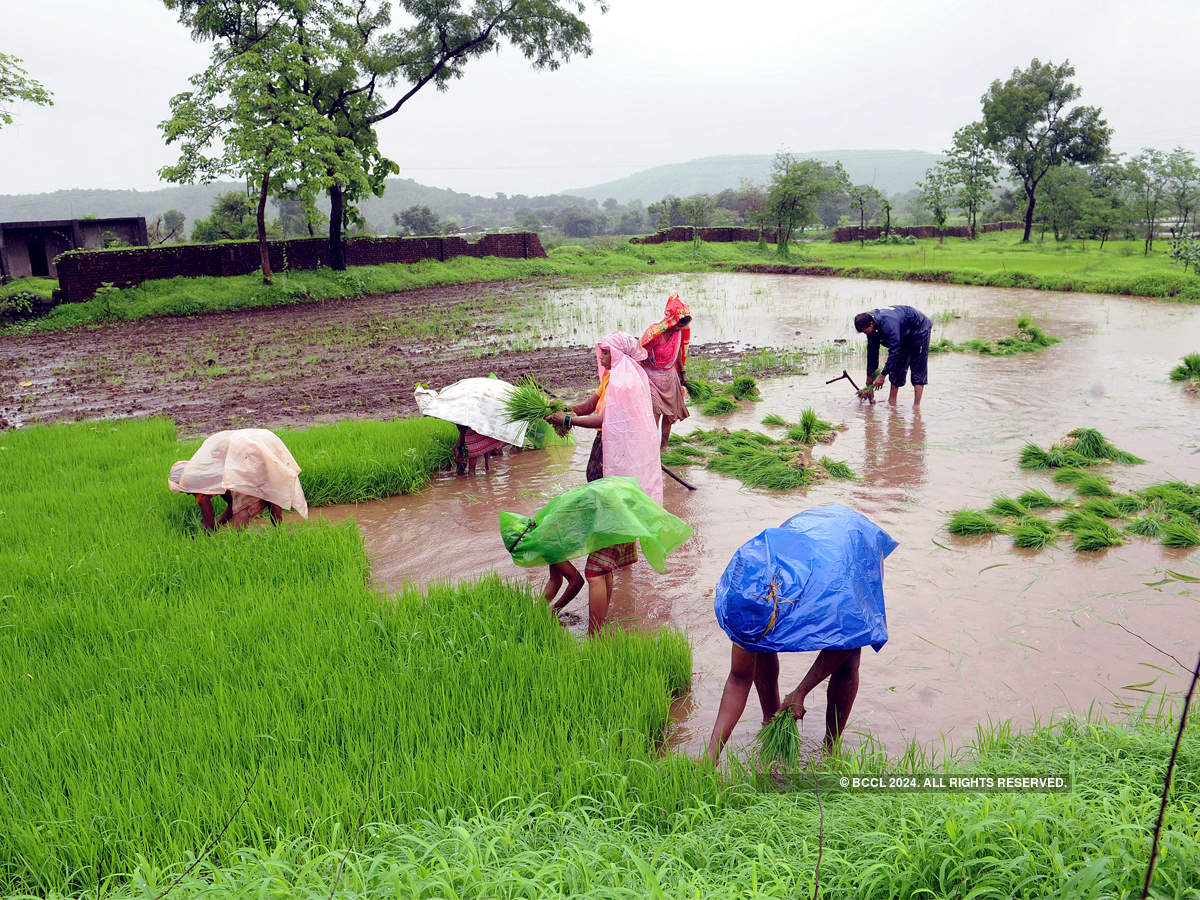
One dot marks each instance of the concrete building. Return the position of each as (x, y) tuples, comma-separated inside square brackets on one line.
[(29, 248)]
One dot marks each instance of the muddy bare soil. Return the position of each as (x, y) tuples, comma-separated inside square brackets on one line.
[(293, 365)]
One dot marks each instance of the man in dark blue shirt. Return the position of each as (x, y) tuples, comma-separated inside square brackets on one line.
[(905, 332)]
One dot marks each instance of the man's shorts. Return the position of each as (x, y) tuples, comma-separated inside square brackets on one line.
[(914, 357)]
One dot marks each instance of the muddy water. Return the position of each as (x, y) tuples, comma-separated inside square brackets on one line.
[(979, 630)]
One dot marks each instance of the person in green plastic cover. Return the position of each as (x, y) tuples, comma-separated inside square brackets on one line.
[(814, 583), (603, 513)]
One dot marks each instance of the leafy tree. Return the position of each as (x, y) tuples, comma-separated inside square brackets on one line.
[(667, 212), (1183, 185), (417, 220), (697, 212), (1146, 178), (232, 219), (863, 197), (1066, 191), (353, 54), (298, 217), (972, 168), (245, 117), (1105, 209), (530, 222), (17, 87), (796, 189), (936, 192), (580, 222), (1028, 120)]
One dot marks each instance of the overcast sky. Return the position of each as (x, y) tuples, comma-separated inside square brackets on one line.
[(668, 81)]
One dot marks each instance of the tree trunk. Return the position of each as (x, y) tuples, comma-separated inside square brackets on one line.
[(862, 226), (337, 209), (261, 217), (1029, 215)]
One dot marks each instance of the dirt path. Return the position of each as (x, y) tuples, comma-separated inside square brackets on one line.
[(291, 365)]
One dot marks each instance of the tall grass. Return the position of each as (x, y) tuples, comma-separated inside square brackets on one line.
[(150, 670)]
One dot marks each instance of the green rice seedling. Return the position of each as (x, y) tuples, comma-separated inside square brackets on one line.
[(1129, 504), (1173, 499), (1093, 486), (836, 468), (972, 522), (1179, 532), (1078, 519), (700, 391), (1188, 370), (1037, 499), (744, 387), (774, 419), (1069, 475), (528, 403), (1150, 525), (1034, 457), (1033, 534), (810, 429), (1007, 506), (756, 467), (1091, 539), (779, 741), (1103, 508), (1061, 457), (674, 458), (1090, 443), (719, 406)]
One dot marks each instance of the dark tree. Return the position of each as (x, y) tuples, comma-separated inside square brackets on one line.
[(1030, 123)]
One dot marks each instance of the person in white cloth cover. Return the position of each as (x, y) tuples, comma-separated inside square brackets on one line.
[(250, 468)]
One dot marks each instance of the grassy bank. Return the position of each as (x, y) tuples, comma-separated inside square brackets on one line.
[(998, 260)]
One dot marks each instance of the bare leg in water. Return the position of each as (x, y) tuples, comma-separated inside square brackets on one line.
[(558, 572), (745, 668), (841, 668), (599, 597), (666, 432)]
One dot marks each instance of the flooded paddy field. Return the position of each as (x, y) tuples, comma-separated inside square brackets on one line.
[(980, 630)]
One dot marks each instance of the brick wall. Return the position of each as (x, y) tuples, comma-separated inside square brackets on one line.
[(713, 235), (80, 274), (874, 232)]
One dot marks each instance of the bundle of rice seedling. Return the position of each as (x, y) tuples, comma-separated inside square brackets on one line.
[(1069, 475), (1007, 506), (1079, 520), (1092, 444), (972, 522), (774, 419), (1033, 534), (756, 467), (1093, 486), (1091, 539), (1188, 370), (1058, 457), (744, 387), (1035, 499), (1170, 497), (836, 468), (1180, 533), (1150, 526), (811, 429), (1128, 504), (1034, 457), (528, 403), (689, 450), (719, 406), (1103, 508), (699, 390), (674, 458), (779, 741)]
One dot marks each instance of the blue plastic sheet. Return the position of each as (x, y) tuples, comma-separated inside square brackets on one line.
[(813, 583)]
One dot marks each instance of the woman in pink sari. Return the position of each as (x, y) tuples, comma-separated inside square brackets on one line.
[(626, 444), (666, 345)]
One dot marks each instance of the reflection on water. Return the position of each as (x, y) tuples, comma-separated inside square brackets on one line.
[(979, 630)]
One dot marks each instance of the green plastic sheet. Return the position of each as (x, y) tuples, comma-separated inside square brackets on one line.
[(599, 514)]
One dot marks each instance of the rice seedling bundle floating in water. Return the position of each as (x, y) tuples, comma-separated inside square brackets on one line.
[(1150, 526), (1105, 509), (1129, 504), (1035, 499), (812, 428), (1093, 486), (779, 741), (744, 387), (774, 419), (1033, 534), (1069, 476), (1090, 443), (1078, 519), (1188, 370), (700, 390), (972, 522), (756, 467), (1007, 506), (528, 403), (836, 468), (1174, 498), (719, 406), (1179, 532), (1090, 539)]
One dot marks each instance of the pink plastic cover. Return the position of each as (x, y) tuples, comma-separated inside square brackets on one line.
[(250, 461), (630, 437)]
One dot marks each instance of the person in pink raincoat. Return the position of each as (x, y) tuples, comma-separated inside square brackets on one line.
[(626, 443)]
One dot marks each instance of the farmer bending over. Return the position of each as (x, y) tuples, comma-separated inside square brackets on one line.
[(905, 332), (250, 468), (813, 583)]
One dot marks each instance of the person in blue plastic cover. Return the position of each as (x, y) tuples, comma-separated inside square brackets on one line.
[(813, 583)]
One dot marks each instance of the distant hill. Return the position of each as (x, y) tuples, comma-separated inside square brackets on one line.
[(893, 171)]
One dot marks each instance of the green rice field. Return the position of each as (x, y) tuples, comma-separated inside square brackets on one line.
[(167, 689)]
